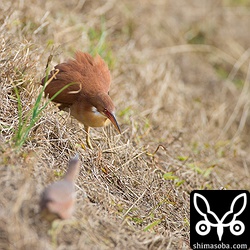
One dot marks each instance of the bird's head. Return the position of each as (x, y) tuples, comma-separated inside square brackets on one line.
[(105, 106)]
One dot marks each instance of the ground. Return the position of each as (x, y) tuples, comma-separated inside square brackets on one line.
[(180, 84)]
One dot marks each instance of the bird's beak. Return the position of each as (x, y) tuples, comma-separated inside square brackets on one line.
[(112, 118)]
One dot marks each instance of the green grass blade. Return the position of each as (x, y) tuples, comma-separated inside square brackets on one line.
[(33, 116), (151, 225)]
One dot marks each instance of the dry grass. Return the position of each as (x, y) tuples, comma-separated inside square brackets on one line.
[(181, 87)]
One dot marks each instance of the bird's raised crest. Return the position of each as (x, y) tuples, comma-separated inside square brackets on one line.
[(90, 75)]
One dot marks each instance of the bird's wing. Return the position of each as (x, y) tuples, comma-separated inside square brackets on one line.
[(63, 76), (87, 75)]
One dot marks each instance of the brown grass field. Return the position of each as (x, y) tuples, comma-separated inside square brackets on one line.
[(181, 86)]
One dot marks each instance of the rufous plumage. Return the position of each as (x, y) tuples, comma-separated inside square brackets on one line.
[(86, 80)]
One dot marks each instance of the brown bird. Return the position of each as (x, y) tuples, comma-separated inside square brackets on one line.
[(57, 200), (86, 81)]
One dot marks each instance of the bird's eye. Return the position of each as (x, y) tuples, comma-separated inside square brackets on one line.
[(105, 111)]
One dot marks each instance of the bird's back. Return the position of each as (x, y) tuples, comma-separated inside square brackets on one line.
[(86, 76)]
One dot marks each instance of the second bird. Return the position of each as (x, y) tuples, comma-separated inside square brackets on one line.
[(86, 82)]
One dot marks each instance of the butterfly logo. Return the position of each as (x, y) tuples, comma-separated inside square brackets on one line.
[(203, 227)]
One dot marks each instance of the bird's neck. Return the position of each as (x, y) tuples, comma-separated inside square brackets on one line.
[(72, 172)]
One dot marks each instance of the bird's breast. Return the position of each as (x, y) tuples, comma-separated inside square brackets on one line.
[(89, 116)]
